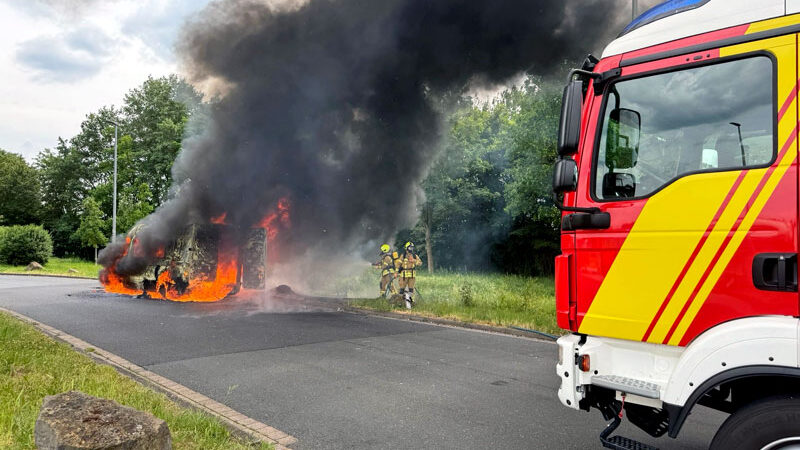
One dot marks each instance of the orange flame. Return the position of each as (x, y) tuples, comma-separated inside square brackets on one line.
[(220, 219), (200, 289), (280, 214), (115, 283)]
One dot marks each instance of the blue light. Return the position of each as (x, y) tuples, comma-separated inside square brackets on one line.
[(665, 9)]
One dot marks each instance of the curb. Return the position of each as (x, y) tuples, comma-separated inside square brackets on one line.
[(47, 275), (447, 322), (232, 419)]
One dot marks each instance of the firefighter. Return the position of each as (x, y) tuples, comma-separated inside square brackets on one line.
[(407, 267), (388, 267)]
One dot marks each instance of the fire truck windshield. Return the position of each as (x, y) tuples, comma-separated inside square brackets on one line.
[(661, 127)]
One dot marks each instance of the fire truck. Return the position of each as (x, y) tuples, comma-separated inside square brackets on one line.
[(678, 183)]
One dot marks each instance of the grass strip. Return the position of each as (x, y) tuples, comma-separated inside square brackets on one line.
[(492, 299), (59, 266), (33, 365)]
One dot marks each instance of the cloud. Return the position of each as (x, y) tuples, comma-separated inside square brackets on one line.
[(59, 9), (157, 23), (69, 56)]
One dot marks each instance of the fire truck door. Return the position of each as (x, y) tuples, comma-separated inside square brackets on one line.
[(695, 160)]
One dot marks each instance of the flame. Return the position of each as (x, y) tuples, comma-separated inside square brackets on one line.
[(220, 219), (279, 214), (116, 283), (203, 289), (200, 289)]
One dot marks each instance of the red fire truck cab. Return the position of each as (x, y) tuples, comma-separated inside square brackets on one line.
[(677, 177)]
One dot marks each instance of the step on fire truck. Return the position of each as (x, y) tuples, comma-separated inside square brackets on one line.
[(678, 184)]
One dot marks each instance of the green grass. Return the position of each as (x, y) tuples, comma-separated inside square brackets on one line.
[(59, 266), (494, 299), (33, 365)]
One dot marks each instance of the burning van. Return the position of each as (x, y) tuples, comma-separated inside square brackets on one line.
[(205, 262)]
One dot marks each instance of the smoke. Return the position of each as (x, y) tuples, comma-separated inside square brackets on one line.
[(331, 105)]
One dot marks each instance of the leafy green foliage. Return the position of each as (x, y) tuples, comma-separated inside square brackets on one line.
[(23, 244), (19, 190), (494, 299), (488, 200), (90, 231), (134, 205), (152, 123)]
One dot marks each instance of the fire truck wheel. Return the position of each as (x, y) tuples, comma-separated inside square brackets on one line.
[(768, 424)]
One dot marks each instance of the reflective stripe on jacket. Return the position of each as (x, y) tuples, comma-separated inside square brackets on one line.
[(387, 264), (408, 265)]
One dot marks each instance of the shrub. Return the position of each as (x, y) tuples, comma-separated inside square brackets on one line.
[(465, 292), (23, 244)]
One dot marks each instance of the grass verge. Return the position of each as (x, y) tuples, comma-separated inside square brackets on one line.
[(59, 266), (493, 299), (33, 365)]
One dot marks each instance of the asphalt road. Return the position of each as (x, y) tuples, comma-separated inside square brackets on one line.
[(336, 379)]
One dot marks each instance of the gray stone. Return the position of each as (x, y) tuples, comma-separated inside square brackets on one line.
[(76, 421), (33, 266)]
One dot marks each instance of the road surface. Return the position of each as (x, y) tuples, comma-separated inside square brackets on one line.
[(335, 379)]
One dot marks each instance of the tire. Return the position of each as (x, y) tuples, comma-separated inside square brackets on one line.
[(769, 424)]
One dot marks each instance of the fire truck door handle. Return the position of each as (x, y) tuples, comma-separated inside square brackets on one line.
[(775, 272)]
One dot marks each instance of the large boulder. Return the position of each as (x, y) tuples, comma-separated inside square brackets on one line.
[(76, 421), (33, 266)]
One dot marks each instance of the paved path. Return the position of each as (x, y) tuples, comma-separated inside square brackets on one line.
[(335, 379)]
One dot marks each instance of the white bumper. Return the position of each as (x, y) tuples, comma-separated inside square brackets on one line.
[(570, 392)]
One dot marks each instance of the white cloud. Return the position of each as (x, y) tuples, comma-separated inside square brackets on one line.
[(62, 59)]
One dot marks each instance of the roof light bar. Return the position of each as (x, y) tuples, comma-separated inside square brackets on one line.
[(662, 10)]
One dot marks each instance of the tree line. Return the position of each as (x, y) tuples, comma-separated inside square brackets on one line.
[(487, 196), (68, 189)]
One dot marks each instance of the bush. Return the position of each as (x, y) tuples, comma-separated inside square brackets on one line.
[(23, 244)]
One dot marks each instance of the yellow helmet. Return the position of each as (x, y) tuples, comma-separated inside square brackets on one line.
[(408, 244), (385, 248)]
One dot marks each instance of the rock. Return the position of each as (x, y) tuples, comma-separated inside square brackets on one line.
[(71, 270), (33, 266), (284, 290), (76, 421)]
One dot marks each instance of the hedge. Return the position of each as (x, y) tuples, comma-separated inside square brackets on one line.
[(23, 244)]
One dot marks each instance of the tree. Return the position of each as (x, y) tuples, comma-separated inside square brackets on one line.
[(134, 205), (156, 120), (90, 231), (152, 124), (487, 197), (62, 175), (20, 191)]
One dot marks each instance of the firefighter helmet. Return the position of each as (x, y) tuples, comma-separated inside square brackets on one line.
[(385, 248), (409, 245)]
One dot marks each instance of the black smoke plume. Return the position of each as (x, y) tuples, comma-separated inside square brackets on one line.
[(328, 103)]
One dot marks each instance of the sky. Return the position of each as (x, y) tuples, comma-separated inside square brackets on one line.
[(62, 59)]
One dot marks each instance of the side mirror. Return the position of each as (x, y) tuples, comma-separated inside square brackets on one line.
[(622, 143), (570, 125), (565, 176)]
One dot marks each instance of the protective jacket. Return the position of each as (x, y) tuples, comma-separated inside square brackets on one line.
[(386, 264), (408, 265)]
